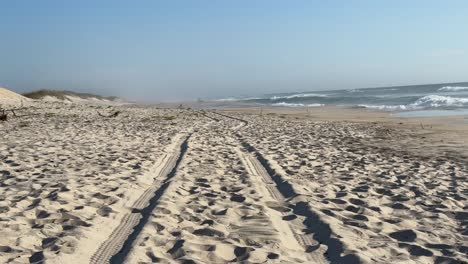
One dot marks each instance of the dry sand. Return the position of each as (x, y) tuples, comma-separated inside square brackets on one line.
[(11, 99), (191, 186)]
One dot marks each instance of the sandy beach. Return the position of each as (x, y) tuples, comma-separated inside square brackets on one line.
[(249, 185)]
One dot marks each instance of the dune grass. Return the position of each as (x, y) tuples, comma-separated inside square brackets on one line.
[(62, 95)]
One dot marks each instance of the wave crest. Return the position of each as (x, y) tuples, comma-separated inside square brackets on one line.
[(276, 97), (296, 105), (234, 99), (441, 101), (453, 89), (429, 101), (388, 107)]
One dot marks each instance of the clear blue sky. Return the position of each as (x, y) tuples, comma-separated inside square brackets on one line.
[(167, 50)]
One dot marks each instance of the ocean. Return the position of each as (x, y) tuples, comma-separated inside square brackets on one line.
[(452, 96)]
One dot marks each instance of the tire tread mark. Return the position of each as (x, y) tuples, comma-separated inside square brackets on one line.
[(255, 168), (119, 235), (320, 230)]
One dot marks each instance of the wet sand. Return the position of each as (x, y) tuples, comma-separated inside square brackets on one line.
[(319, 185)]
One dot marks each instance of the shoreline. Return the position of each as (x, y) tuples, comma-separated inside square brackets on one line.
[(446, 132)]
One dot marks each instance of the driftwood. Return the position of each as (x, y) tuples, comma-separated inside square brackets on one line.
[(4, 114), (115, 114)]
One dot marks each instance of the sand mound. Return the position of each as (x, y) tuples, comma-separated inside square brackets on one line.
[(9, 98), (72, 97)]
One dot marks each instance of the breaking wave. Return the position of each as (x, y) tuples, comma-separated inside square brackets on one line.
[(234, 99), (387, 107), (441, 101), (453, 89), (296, 105), (402, 98), (276, 97), (429, 101)]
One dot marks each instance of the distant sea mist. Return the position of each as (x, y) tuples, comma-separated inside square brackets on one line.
[(401, 98)]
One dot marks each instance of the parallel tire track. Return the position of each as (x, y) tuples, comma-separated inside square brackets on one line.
[(318, 229), (311, 247), (318, 232), (127, 230)]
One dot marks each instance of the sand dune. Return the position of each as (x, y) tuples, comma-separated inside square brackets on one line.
[(70, 97), (184, 186), (9, 98)]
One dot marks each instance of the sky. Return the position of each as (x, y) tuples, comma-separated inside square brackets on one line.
[(181, 50)]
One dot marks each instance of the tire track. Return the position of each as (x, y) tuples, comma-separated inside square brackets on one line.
[(117, 246), (289, 239), (320, 231), (203, 113), (317, 229), (218, 211), (245, 122)]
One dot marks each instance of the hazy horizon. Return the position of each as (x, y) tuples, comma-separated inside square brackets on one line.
[(182, 50)]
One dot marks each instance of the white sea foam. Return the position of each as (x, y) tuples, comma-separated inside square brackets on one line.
[(250, 98), (453, 89), (230, 99), (296, 105), (441, 101), (429, 101), (387, 107), (297, 96), (354, 91), (233, 99)]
